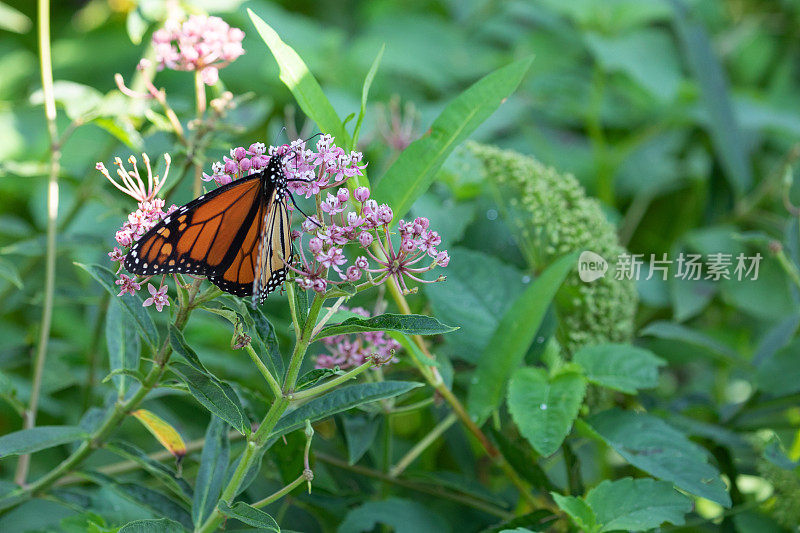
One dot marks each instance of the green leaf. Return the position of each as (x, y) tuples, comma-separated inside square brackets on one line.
[(339, 400), (778, 374), (215, 395), (123, 346), (10, 273), (249, 515), (412, 349), (160, 525), (269, 340), (298, 78), (77, 99), (39, 438), (544, 407), (479, 290), (652, 445), (512, 338), (409, 324), (580, 512), (136, 26), (168, 477), (726, 135), (365, 93), (620, 366), (180, 347), (13, 20), (360, 432), (637, 504), (131, 303), (677, 332), (213, 467), (314, 376), (404, 516), (416, 167)]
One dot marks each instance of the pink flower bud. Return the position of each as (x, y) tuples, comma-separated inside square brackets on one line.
[(361, 194), (353, 273), (320, 285), (230, 166), (361, 262), (442, 258), (239, 153), (343, 195), (365, 238), (315, 245), (245, 164), (385, 213)]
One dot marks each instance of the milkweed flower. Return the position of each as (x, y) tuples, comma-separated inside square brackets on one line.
[(346, 351), (201, 43), (158, 297)]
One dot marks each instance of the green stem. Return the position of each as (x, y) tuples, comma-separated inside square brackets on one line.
[(328, 385), (200, 97), (270, 379), (259, 439), (117, 414), (422, 445), (280, 493), (46, 68)]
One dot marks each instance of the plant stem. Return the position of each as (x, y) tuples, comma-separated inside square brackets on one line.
[(328, 385), (434, 379), (280, 493), (116, 415), (441, 493), (270, 379), (200, 98), (46, 69), (257, 441), (422, 445)]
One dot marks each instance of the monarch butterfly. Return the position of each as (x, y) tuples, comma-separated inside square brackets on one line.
[(236, 235)]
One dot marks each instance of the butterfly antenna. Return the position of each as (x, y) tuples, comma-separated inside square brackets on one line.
[(304, 213), (277, 135)]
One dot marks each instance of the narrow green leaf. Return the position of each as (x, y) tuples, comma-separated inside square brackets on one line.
[(160, 525), (414, 170), (360, 432), (365, 94), (637, 504), (249, 515), (298, 78), (512, 338), (409, 324), (168, 477), (621, 367), (269, 340), (315, 375), (412, 348), (131, 303), (10, 273), (652, 445), (726, 135), (543, 407), (580, 512), (38, 438), (301, 305), (663, 329), (213, 466), (215, 395), (180, 347), (123, 347), (339, 400)]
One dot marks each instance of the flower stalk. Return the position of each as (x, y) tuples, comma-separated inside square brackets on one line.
[(46, 70)]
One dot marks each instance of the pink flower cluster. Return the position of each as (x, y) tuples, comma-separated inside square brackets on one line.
[(201, 43), (242, 162), (346, 351), (327, 167), (149, 213)]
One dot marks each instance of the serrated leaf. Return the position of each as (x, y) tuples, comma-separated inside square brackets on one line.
[(249, 515), (132, 304), (415, 169), (39, 438), (544, 407), (211, 476), (580, 512), (637, 504), (301, 82), (339, 400), (652, 445), (409, 324), (621, 367), (167, 435), (215, 395), (512, 338)]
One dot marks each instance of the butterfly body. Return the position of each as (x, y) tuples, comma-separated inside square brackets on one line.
[(236, 235)]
